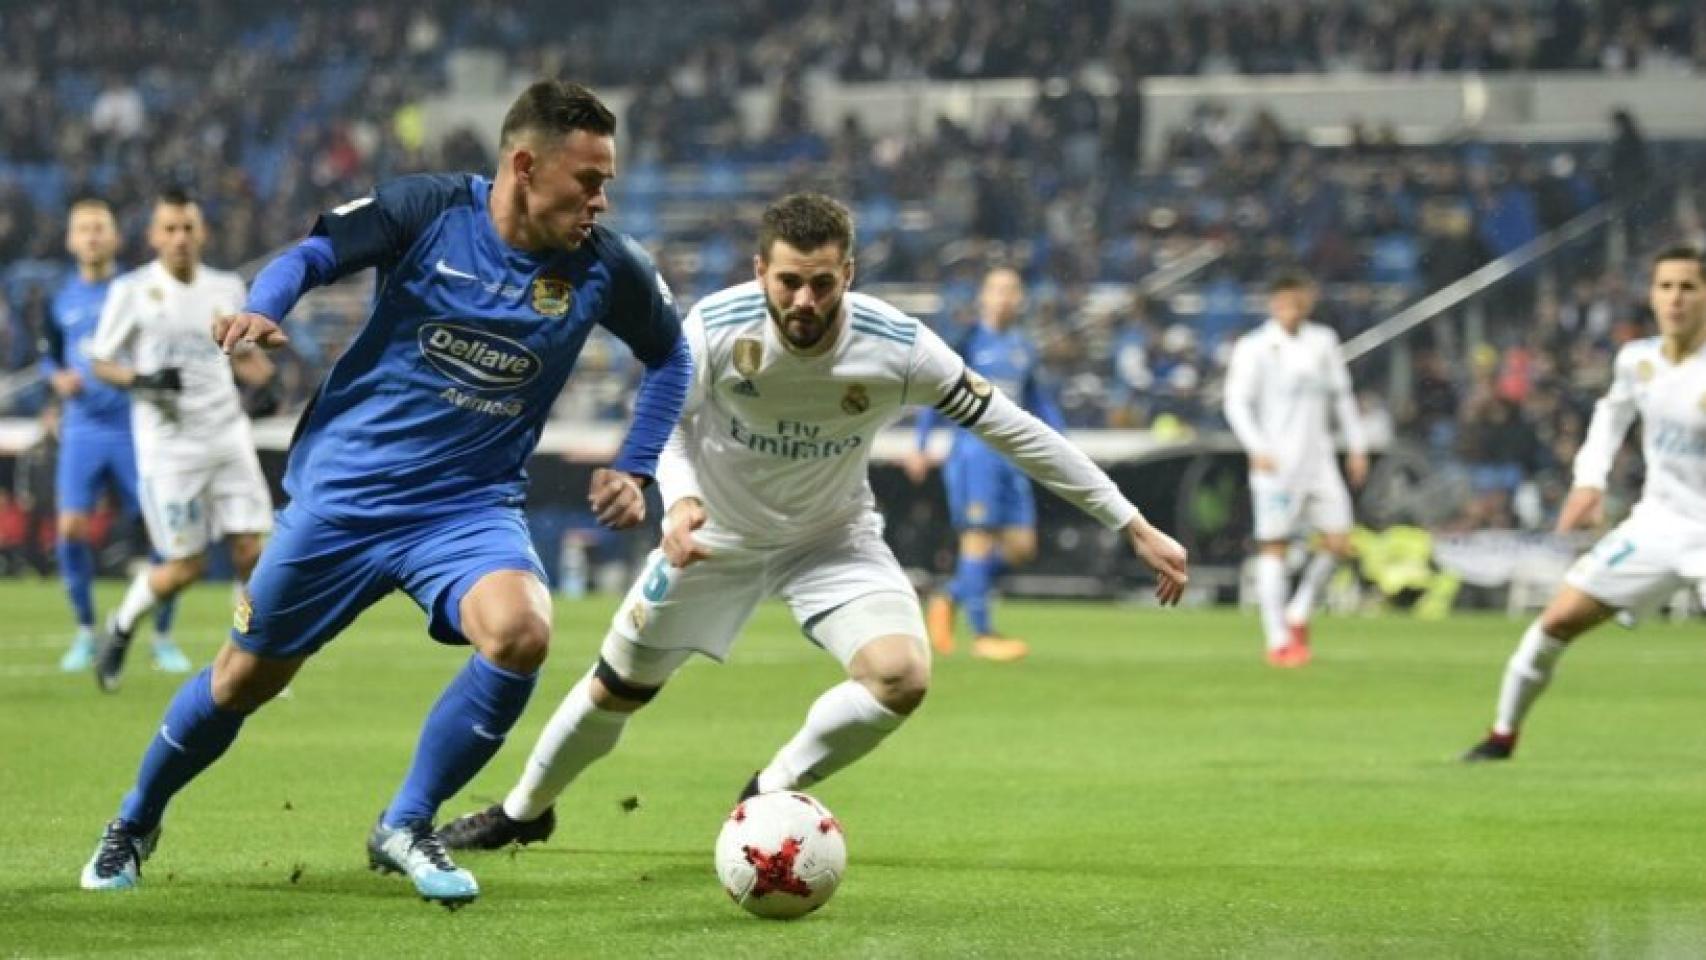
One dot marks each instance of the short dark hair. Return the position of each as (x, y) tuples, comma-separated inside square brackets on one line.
[(806, 222), (1682, 251), (556, 107), (1288, 280), (174, 197)]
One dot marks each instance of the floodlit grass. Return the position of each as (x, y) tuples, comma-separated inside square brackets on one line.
[(1143, 785)]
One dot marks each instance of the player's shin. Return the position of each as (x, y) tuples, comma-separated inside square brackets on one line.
[(843, 725), (1270, 597), (1527, 673), (577, 736), (465, 728), (77, 566), (194, 733), (138, 600), (1309, 586), (974, 579)]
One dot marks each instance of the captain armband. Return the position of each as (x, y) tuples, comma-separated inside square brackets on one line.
[(967, 400)]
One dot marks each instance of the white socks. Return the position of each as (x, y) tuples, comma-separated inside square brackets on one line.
[(1270, 596), (138, 600), (1315, 576), (577, 735), (843, 725), (1526, 675)]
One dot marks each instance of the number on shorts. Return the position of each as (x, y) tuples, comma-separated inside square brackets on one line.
[(657, 581)]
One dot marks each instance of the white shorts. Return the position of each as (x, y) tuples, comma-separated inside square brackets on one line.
[(671, 612), (1644, 561), (1287, 509), (187, 508)]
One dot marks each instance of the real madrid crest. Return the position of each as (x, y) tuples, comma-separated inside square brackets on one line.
[(855, 401), (749, 356), (1644, 371), (552, 297), (156, 294)]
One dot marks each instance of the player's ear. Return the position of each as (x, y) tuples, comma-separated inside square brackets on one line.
[(758, 267), (849, 284), (521, 164)]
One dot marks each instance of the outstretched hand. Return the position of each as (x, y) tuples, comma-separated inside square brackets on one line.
[(1164, 556), (229, 331)]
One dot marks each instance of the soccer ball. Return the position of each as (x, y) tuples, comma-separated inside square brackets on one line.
[(781, 855)]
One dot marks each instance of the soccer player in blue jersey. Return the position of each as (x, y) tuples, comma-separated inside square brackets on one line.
[(989, 499), (407, 471), (95, 446)]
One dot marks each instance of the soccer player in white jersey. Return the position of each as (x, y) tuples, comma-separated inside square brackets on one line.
[(764, 483), (1661, 547), (199, 474), (1282, 379)]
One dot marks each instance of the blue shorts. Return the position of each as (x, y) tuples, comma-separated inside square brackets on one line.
[(86, 462), (985, 492), (315, 576)]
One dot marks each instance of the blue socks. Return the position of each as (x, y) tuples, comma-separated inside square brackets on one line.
[(77, 567), (195, 733), (463, 731), (166, 611), (974, 579)]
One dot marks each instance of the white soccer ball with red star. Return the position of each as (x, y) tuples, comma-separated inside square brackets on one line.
[(781, 855)]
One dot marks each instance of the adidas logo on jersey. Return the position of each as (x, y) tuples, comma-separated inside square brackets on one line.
[(746, 388)]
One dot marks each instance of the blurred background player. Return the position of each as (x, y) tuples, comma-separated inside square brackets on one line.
[(408, 470), (1282, 379), (95, 447), (200, 477), (1661, 547), (766, 482), (989, 499)]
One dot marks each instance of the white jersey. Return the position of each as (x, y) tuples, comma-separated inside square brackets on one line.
[(1279, 387), (1670, 399), (777, 444), (152, 321)]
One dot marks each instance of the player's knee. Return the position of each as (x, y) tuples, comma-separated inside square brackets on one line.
[(244, 682), (74, 527), (245, 552), (896, 671), (611, 691), (516, 640)]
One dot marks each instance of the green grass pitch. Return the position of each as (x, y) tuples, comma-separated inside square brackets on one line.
[(1142, 786)]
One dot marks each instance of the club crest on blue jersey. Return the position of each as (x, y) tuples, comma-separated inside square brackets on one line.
[(553, 296), (478, 359)]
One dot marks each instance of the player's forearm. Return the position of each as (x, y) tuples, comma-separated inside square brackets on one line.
[(116, 374), (291, 274), (677, 478), (1243, 424), (1611, 420), (657, 408), (1350, 421), (1052, 461)]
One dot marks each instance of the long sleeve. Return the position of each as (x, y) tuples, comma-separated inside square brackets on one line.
[(1240, 400), (941, 377), (1612, 416), (291, 274), (1345, 404), (677, 478)]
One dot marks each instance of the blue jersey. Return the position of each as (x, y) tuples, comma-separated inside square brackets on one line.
[(440, 398), (73, 315)]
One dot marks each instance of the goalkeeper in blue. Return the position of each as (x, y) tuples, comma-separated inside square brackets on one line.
[(407, 470)]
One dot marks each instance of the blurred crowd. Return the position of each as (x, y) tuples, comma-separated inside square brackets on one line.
[(312, 105)]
